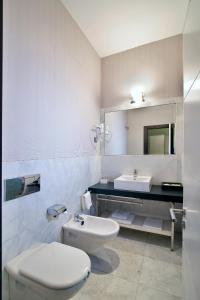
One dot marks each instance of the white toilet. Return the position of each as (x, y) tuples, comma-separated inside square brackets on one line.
[(91, 234), (48, 271)]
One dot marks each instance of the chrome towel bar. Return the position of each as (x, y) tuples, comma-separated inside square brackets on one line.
[(118, 199)]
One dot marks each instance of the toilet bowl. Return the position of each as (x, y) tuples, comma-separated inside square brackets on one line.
[(90, 235), (48, 271)]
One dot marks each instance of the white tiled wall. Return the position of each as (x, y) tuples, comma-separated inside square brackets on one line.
[(62, 181), (160, 167)]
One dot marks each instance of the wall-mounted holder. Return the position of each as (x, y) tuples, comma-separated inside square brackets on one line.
[(21, 186), (98, 131), (55, 210)]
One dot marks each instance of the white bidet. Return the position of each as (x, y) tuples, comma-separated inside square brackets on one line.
[(91, 234)]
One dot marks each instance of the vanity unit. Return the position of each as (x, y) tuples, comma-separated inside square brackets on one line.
[(106, 193)]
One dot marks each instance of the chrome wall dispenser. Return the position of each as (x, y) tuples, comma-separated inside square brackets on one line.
[(55, 210)]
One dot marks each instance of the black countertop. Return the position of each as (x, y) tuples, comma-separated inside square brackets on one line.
[(156, 193)]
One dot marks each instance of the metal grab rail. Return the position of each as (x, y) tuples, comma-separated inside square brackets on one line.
[(116, 199), (173, 212), (172, 215)]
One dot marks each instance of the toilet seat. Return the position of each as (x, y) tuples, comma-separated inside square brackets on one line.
[(56, 266), (52, 270)]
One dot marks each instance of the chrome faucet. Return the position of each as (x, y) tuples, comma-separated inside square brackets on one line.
[(134, 174), (79, 218)]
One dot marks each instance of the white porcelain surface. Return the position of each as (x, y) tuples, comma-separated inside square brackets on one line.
[(50, 270), (133, 183), (56, 266), (92, 235)]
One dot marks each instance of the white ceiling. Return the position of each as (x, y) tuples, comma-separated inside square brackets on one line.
[(113, 26)]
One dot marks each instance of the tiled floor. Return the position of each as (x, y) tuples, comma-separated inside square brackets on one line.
[(135, 266)]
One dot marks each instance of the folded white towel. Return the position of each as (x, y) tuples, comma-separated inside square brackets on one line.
[(86, 201), (153, 223), (128, 221), (119, 214)]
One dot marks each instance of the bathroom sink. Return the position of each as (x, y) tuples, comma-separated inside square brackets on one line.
[(133, 183)]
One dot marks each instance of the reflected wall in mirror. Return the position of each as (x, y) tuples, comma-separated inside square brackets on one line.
[(147, 130)]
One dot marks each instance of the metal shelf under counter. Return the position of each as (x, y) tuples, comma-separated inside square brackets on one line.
[(107, 193), (138, 224)]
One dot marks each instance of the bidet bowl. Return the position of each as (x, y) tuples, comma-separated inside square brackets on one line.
[(90, 236)]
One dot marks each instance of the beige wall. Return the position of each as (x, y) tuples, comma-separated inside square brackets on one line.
[(51, 80), (191, 46), (51, 100), (157, 67)]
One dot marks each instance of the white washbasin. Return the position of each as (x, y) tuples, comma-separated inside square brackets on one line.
[(133, 183)]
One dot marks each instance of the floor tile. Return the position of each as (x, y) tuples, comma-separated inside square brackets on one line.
[(133, 235), (146, 293), (158, 248), (129, 267), (98, 281), (134, 266), (105, 261), (121, 289), (121, 264), (161, 275), (127, 245), (94, 288), (111, 287), (164, 241), (130, 241)]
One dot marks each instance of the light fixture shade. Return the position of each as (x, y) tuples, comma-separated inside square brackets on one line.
[(137, 95)]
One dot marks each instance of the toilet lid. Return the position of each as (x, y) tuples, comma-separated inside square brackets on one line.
[(56, 266)]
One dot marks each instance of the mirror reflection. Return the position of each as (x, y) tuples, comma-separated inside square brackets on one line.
[(147, 130)]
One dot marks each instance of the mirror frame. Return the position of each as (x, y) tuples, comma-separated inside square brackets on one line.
[(127, 106)]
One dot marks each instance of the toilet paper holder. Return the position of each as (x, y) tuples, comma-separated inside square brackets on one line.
[(55, 210)]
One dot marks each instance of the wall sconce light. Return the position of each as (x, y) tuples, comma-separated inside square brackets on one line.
[(137, 96)]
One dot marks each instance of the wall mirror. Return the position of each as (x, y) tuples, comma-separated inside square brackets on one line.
[(140, 131)]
